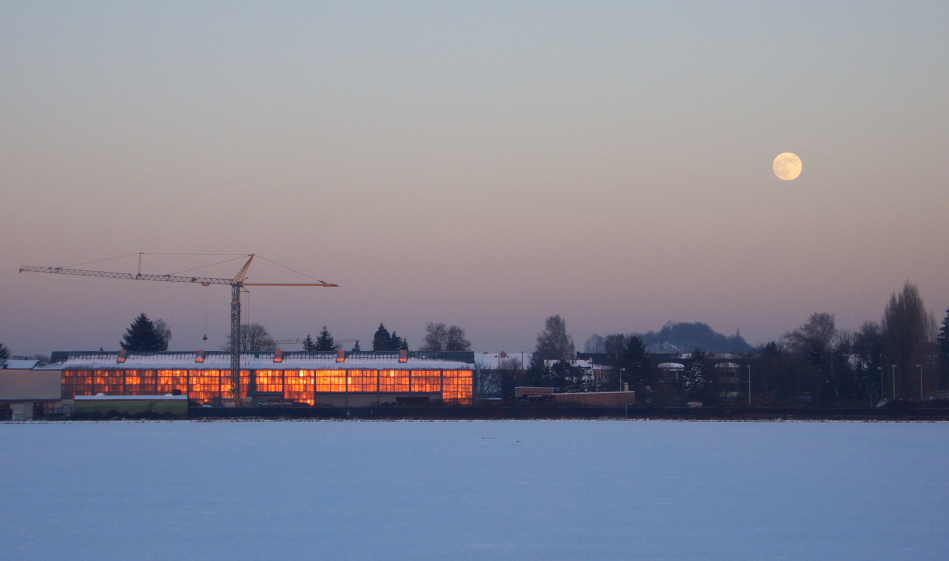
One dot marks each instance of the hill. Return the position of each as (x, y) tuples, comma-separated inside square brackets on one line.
[(687, 336)]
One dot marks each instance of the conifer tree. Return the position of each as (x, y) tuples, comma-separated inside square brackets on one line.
[(308, 344), (325, 341), (356, 348), (142, 336), (397, 343), (381, 340), (4, 353)]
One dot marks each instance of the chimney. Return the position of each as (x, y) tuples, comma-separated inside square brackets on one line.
[(403, 355), (123, 354), (278, 356), (340, 355), (200, 357)]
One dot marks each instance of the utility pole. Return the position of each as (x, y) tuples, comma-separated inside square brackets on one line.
[(749, 385)]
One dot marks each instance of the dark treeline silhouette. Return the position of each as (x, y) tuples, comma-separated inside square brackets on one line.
[(904, 357)]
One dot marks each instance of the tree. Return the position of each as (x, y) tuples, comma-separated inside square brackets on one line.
[(439, 337), (309, 345), (810, 347), (615, 344), (812, 340), (868, 347), (508, 372), (254, 339), (943, 340), (595, 344), (381, 340), (908, 330), (4, 353), (142, 336), (436, 336), (164, 332), (634, 360), (457, 340), (356, 348), (325, 341), (693, 381), (553, 343)]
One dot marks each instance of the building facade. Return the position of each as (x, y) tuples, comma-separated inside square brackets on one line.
[(284, 378)]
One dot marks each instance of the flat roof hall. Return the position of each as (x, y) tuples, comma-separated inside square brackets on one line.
[(332, 379)]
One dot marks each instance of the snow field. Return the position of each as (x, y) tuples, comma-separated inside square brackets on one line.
[(474, 490)]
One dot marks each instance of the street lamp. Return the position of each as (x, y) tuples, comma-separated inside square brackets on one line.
[(893, 366), (621, 379), (880, 368), (920, 366)]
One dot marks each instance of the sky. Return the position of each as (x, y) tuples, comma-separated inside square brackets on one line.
[(482, 164)]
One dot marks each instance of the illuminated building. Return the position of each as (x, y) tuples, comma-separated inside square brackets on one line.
[(332, 379)]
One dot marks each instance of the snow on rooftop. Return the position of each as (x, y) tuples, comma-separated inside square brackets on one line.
[(252, 361), (20, 364), (490, 361)]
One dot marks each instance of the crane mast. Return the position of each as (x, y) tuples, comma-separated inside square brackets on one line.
[(237, 284)]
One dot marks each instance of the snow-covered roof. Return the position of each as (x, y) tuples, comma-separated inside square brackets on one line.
[(19, 364), (492, 361), (727, 365), (671, 366), (579, 363), (216, 360)]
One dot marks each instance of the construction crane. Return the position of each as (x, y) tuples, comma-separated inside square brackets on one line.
[(237, 284)]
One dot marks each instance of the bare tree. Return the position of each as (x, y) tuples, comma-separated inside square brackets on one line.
[(254, 338), (595, 344), (909, 332), (439, 337), (457, 340), (813, 339), (436, 335), (553, 343), (615, 344), (163, 331)]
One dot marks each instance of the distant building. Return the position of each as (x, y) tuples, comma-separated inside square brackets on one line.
[(335, 379)]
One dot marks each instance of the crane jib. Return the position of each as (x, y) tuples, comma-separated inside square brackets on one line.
[(126, 276), (237, 284)]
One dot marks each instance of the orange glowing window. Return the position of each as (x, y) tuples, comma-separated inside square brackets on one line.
[(362, 380), (426, 381), (394, 381), (458, 386), (299, 386), (170, 381), (270, 381), (330, 380)]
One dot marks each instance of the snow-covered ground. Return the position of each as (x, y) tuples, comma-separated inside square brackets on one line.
[(474, 490)]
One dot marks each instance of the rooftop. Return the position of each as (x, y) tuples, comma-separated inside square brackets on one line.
[(221, 360)]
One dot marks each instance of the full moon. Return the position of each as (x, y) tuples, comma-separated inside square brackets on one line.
[(787, 166)]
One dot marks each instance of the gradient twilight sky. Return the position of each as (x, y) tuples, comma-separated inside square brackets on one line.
[(486, 164)]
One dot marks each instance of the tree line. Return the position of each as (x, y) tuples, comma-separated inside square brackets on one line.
[(145, 335), (904, 356)]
